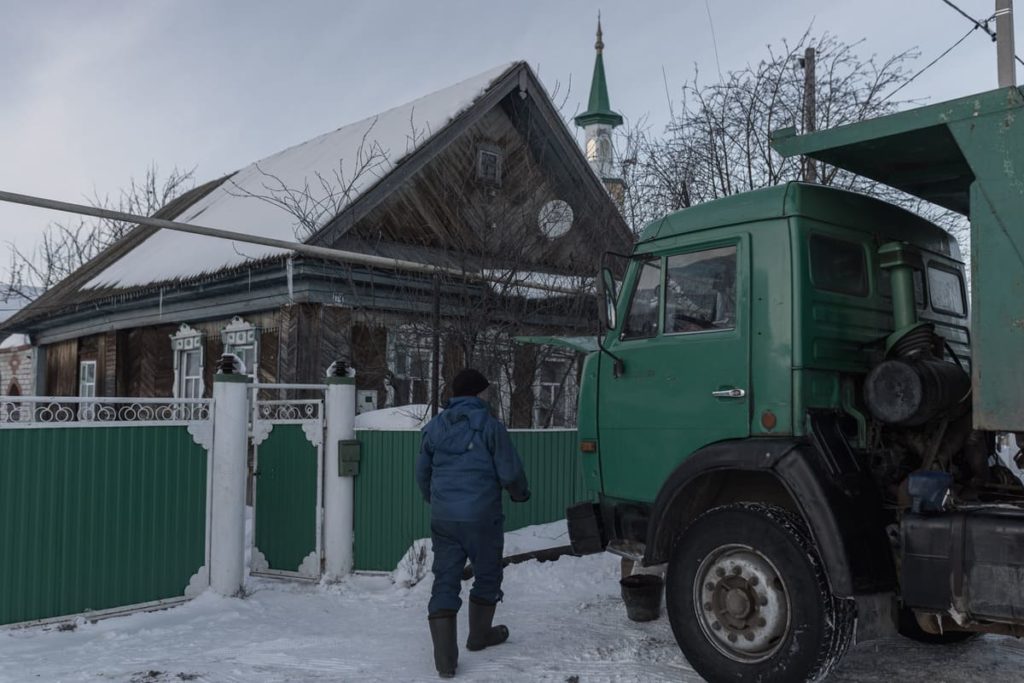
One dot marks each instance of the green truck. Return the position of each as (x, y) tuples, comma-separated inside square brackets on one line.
[(796, 397)]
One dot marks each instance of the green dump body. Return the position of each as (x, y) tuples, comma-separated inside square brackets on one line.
[(966, 155)]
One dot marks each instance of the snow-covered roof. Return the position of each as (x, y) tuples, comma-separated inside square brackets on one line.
[(378, 143)]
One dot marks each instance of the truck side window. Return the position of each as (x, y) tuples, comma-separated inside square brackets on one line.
[(700, 291), (838, 266), (947, 291), (642, 320)]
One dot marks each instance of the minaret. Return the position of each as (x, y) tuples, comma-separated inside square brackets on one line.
[(597, 123)]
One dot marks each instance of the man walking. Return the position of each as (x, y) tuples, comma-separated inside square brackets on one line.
[(465, 460)]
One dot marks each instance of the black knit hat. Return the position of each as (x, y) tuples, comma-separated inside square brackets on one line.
[(469, 382)]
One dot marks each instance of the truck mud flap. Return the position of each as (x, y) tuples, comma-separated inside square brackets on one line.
[(586, 533)]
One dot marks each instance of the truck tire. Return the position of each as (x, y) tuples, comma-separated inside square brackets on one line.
[(748, 598)]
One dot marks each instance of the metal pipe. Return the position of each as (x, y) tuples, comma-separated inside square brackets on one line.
[(298, 247)]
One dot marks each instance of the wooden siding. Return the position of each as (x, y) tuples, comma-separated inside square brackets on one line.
[(62, 368), (447, 207)]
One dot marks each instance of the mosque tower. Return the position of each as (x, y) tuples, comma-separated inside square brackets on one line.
[(597, 123)]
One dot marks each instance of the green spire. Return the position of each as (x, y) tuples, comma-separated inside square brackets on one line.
[(599, 109)]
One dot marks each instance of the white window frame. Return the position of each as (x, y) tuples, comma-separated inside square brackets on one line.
[(183, 342), (240, 335), (495, 151), (86, 389), (565, 392), (404, 341)]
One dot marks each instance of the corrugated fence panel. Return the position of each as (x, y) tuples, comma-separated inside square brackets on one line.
[(390, 513), (94, 518), (551, 464)]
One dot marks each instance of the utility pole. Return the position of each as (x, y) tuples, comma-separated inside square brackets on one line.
[(1004, 43), (435, 361), (810, 166)]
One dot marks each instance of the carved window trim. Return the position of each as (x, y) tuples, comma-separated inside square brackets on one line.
[(241, 335), (184, 342)]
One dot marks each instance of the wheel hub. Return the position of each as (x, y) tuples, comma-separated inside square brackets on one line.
[(741, 602)]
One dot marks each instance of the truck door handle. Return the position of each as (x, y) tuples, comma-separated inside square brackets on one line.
[(732, 392)]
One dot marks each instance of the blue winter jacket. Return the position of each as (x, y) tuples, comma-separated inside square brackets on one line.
[(465, 459)]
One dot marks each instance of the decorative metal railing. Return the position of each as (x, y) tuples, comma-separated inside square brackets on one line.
[(77, 411), (291, 409)]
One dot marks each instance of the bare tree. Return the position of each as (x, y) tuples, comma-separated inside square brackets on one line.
[(67, 245), (718, 140)]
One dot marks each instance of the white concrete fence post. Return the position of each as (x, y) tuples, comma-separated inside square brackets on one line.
[(227, 502), (339, 490)]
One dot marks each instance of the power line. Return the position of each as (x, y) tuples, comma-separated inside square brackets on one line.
[(714, 40), (932, 63), (977, 24), (983, 25)]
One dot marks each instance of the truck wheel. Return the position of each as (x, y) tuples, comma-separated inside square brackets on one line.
[(748, 599)]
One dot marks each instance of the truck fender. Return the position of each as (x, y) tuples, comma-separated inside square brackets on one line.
[(841, 508)]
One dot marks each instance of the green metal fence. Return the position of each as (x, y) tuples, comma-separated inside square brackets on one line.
[(390, 513), (95, 518)]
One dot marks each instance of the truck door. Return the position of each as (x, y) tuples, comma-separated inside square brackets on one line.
[(684, 342)]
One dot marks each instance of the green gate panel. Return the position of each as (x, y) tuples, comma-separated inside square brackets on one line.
[(285, 511), (389, 510), (94, 518)]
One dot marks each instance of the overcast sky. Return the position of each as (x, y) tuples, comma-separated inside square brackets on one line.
[(93, 91)]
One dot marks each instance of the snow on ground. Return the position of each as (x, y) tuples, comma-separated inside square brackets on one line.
[(566, 619), (413, 416)]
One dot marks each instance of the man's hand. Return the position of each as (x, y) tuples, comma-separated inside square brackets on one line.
[(520, 498)]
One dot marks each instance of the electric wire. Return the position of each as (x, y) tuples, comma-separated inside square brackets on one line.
[(983, 25), (931, 63)]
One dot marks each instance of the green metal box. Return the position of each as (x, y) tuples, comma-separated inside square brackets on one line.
[(349, 454)]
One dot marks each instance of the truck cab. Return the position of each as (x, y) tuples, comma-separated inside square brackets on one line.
[(794, 406)]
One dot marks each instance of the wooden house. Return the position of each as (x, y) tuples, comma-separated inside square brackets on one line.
[(483, 177)]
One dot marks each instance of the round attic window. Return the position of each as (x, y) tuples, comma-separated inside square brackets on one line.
[(555, 218)]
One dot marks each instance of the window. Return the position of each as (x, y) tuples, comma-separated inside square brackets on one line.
[(838, 266), (700, 291), (87, 388), (554, 393), (188, 362), (87, 378), (242, 339), (642, 320), (947, 290), (488, 164), (411, 356)]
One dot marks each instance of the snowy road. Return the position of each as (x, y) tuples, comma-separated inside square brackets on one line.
[(566, 619)]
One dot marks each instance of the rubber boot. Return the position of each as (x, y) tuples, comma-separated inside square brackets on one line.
[(444, 633), (481, 633)]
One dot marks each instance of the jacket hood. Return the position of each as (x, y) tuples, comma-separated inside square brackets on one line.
[(453, 429)]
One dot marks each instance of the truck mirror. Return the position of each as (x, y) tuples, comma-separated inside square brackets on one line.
[(606, 309)]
